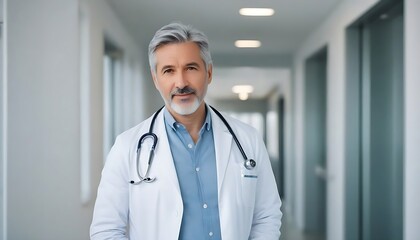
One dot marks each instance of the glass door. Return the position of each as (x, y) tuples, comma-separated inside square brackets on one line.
[(382, 126), (316, 170)]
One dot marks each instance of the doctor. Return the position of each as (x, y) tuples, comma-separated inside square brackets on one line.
[(197, 185)]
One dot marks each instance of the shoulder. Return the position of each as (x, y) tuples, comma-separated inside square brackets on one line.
[(239, 128), (236, 123)]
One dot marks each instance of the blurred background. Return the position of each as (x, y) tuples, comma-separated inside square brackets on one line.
[(331, 85)]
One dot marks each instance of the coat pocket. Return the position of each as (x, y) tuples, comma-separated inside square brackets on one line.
[(249, 180)]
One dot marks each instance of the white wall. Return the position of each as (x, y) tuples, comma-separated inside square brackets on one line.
[(43, 114), (43, 197), (331, 34), (412, 121), (104, 23), (285, 91), (3, 129)]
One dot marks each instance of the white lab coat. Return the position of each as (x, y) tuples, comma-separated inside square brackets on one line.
[(249, 208)]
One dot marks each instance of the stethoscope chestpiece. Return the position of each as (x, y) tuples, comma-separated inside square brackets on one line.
[(250, 164)]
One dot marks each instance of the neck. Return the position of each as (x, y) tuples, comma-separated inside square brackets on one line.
[(192, 122)]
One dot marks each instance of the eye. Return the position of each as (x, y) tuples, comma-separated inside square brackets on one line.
[(191, 68), (167, 70)]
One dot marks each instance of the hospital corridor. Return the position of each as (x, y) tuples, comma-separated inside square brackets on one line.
[(332, 88)]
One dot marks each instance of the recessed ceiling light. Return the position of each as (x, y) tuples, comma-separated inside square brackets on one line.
[(256, 12), (243, 91), (247, 43)]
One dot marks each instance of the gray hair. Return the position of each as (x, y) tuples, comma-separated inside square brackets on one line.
[(178, 33)]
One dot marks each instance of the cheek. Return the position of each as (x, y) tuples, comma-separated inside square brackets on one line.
[(163, 88)]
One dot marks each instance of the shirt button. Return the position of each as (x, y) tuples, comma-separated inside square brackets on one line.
[(190, 145), (197, 169), (210, 234), (204, 205)]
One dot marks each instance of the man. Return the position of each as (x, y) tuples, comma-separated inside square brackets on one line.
[(198, 184)]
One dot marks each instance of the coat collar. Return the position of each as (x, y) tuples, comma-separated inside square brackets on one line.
[(163, 157)]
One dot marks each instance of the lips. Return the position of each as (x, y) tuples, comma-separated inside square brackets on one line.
[(183, 97), (183, 94)]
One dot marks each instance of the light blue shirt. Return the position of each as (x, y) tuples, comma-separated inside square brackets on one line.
[(197, 175)]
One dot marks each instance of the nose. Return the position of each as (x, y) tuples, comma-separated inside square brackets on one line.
[(180, 80)]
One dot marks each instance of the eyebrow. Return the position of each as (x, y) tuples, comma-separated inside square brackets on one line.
[(191, 64), (166, 67)]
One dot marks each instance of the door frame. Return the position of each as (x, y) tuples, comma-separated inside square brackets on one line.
[(316, 177), (356, 86)]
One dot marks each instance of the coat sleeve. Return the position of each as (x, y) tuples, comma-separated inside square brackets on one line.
[(267, 214), (110, 215)]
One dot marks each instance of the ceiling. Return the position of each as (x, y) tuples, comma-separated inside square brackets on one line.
[(225, 78), (280, 34)]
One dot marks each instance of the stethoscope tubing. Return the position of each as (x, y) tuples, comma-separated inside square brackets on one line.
[(231, 132), (248, 163), (153, 136)]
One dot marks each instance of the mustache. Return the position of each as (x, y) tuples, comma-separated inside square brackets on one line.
[(185, 90)]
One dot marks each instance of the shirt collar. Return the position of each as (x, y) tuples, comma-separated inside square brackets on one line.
[(170, 120)]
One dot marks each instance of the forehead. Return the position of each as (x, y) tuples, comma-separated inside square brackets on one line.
[(178, 53)]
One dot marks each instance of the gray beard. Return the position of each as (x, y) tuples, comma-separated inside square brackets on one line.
[(181, 110)]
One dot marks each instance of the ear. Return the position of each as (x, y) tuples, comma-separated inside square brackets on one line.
[(210, 73)]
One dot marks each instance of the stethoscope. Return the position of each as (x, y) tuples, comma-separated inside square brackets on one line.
[(248, 163)]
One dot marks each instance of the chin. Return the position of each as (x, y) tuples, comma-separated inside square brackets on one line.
[(185, 110)]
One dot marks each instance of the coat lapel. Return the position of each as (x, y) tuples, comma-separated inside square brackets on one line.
[(165, 167), (164, 155), (223, 145)]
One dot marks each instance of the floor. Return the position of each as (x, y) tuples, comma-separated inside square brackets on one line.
[(290, 232)]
